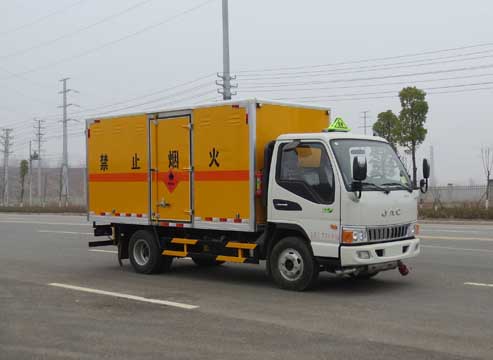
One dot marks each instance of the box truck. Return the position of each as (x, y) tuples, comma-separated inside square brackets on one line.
[(246, 181)]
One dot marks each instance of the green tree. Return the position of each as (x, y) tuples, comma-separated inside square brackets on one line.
[(387, 126), (23, 171), (412, 119)]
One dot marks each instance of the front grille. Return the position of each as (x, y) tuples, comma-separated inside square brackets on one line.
[(387, 233)]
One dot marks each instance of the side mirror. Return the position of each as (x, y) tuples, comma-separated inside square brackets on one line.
[(359, 169), (426, 169)]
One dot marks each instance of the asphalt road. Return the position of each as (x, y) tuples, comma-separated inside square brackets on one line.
[(442, 310)]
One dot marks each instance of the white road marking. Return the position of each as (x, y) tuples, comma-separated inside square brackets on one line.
[(43, 223), (64, 232), (455, 248), (454, 238), (104, 251), (126, 296), (483, 227), (478, 284)]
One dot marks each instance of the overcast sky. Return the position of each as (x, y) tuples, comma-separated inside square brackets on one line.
[(130, 55)]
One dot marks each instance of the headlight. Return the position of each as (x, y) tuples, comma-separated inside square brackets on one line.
[(354, 235), (412, 230)]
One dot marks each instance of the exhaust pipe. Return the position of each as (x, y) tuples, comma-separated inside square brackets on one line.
[(403, 269)]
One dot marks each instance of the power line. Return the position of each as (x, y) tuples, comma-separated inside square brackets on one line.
[(126, 101), (113, 42), (370, 59), (42, 18), (284, 89), (176, 101), (393, 91), (362, 69), (380, 77), (308, 75), (154, 93), (387, 96), (76, 31)]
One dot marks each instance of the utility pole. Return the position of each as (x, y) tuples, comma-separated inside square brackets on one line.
[(30, 174), (64, 183), (38, 127), (226, 76), (365, 113), (487, 158), (5, 141), (432, 167)]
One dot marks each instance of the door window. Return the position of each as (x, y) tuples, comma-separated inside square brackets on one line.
[(306, 171)]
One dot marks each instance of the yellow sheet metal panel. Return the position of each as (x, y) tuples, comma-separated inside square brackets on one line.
[(221, 162), (117, 165), (275, 120), (171, 149)]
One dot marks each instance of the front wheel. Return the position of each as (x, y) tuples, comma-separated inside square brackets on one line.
[(292, 265)]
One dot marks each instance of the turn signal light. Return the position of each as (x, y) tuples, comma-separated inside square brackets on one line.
[(347, 236)]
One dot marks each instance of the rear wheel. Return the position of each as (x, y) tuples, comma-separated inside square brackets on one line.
[(292, 265), (145, 255), (206, 261)]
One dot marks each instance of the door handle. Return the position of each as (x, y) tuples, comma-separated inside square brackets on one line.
[(163, 204), (286, 205)]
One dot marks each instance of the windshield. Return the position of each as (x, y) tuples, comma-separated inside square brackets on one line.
[(384, 167)]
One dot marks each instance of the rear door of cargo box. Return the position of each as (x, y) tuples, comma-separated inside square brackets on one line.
[(172, 168)]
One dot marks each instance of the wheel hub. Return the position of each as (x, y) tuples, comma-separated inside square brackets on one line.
[(141, 252), (290, 264)]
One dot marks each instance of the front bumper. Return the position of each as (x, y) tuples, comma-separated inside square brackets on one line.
[(368, 254)]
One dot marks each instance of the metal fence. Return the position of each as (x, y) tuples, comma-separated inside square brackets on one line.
[(451, 195)]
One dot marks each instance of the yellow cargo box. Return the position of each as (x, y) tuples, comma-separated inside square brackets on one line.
[(190, 167)]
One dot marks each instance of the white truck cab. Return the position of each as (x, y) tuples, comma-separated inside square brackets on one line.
[(355, 226)]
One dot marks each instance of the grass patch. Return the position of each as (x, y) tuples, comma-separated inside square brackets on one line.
[(457, 212), (51, 209)]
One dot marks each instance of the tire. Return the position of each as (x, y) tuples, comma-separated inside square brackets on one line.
[(145, 256), (206, 261), (292, 265)]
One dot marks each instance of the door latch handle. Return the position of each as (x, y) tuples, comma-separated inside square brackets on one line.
[(163, 204)]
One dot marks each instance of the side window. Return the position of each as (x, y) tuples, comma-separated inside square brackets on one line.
[(306, 171)]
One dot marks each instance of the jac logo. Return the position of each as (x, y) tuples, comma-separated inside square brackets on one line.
[(391, 212)]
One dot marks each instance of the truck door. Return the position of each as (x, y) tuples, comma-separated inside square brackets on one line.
[(304, 193), (172, 165)]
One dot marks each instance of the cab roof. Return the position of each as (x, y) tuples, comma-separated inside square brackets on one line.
[(329, 136)]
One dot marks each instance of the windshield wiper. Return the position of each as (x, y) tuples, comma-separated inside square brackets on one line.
[(402, 186), (386, 191)]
